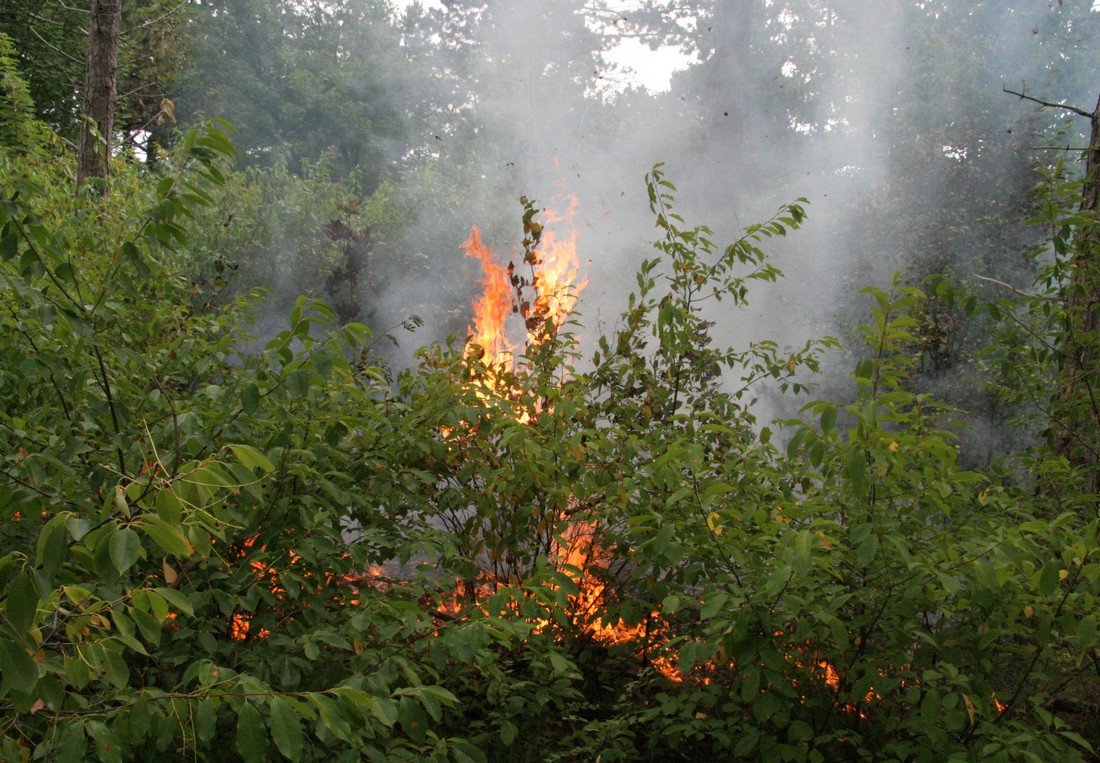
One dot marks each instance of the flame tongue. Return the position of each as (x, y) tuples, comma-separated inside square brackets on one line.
[(555, 283), (544, 300), (492, 306)]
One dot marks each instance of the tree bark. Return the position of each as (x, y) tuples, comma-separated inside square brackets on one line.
[(100, 78), (1075, 429)]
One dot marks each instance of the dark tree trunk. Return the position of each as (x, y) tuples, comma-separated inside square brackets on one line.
[(1075, 429), (99, 89)]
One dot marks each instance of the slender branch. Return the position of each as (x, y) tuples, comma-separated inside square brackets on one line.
[(1039, 649), (49, 44), (1008, 286), (111, 406), (85, 11), (53, 379), (45, 266), (1022, 95), (149, 22)]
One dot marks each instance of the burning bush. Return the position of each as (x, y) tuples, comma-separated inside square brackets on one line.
[(643, 572)]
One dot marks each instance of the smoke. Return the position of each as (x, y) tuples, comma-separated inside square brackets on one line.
[(887, 116)]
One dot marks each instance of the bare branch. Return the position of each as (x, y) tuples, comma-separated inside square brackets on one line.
[(1008, 286), (150, 22), (49, 44), (85, 11), (1022, 94)]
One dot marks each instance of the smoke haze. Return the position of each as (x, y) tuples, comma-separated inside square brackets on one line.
[(888, 116)]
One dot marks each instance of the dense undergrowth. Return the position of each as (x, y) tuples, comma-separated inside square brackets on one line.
[(187, 526)]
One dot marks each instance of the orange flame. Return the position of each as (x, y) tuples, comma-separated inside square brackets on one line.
[(492, 307), (555, 280)]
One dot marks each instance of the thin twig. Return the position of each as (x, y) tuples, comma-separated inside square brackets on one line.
[(174, 9), (50, 45), (1048, 104), (1008, 286)]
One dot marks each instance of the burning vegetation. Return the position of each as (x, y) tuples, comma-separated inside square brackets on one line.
[(508, 553), (606, 589)]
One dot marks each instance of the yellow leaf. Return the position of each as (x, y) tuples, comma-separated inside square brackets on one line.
[(894, 447), (970, 708), (791, 364), (170, 575), (1063, 574), (1029, 611), (713, 522)]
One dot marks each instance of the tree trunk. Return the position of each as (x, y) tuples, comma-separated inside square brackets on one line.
[(1075, 428), (99, 89)]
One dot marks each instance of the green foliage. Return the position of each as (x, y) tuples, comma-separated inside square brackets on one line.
[(51, 38), (19, 131), (301, 80), (189, 513), (1044, 338)]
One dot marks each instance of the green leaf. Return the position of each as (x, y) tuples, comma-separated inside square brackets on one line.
[(1077, 739), (107, 748), (22, 603), (867, 549), (69, 745), (206, 720), (125, 549), (250, 398), (9, 245), (118, 672), (252, 458), (1086, 632), (177, 600), (167, 536), (147, 624), (286, 728), (560, 664), (508, 733), (19, 670), (382, 708), (52, 547), (1048, 580), (168, 505), (78, 527), (297, 382), (251, 735)]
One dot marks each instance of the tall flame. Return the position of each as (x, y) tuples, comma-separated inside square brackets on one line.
[(492, 307), (556, 279), (555, 282)]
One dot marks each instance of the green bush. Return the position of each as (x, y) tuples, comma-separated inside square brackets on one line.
[(187, 526)]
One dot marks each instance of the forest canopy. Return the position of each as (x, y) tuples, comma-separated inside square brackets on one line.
[(637, 495)]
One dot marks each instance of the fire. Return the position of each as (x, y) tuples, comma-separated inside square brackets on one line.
[(579, 553), (556, 280), (493, 306), (544, 300)]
